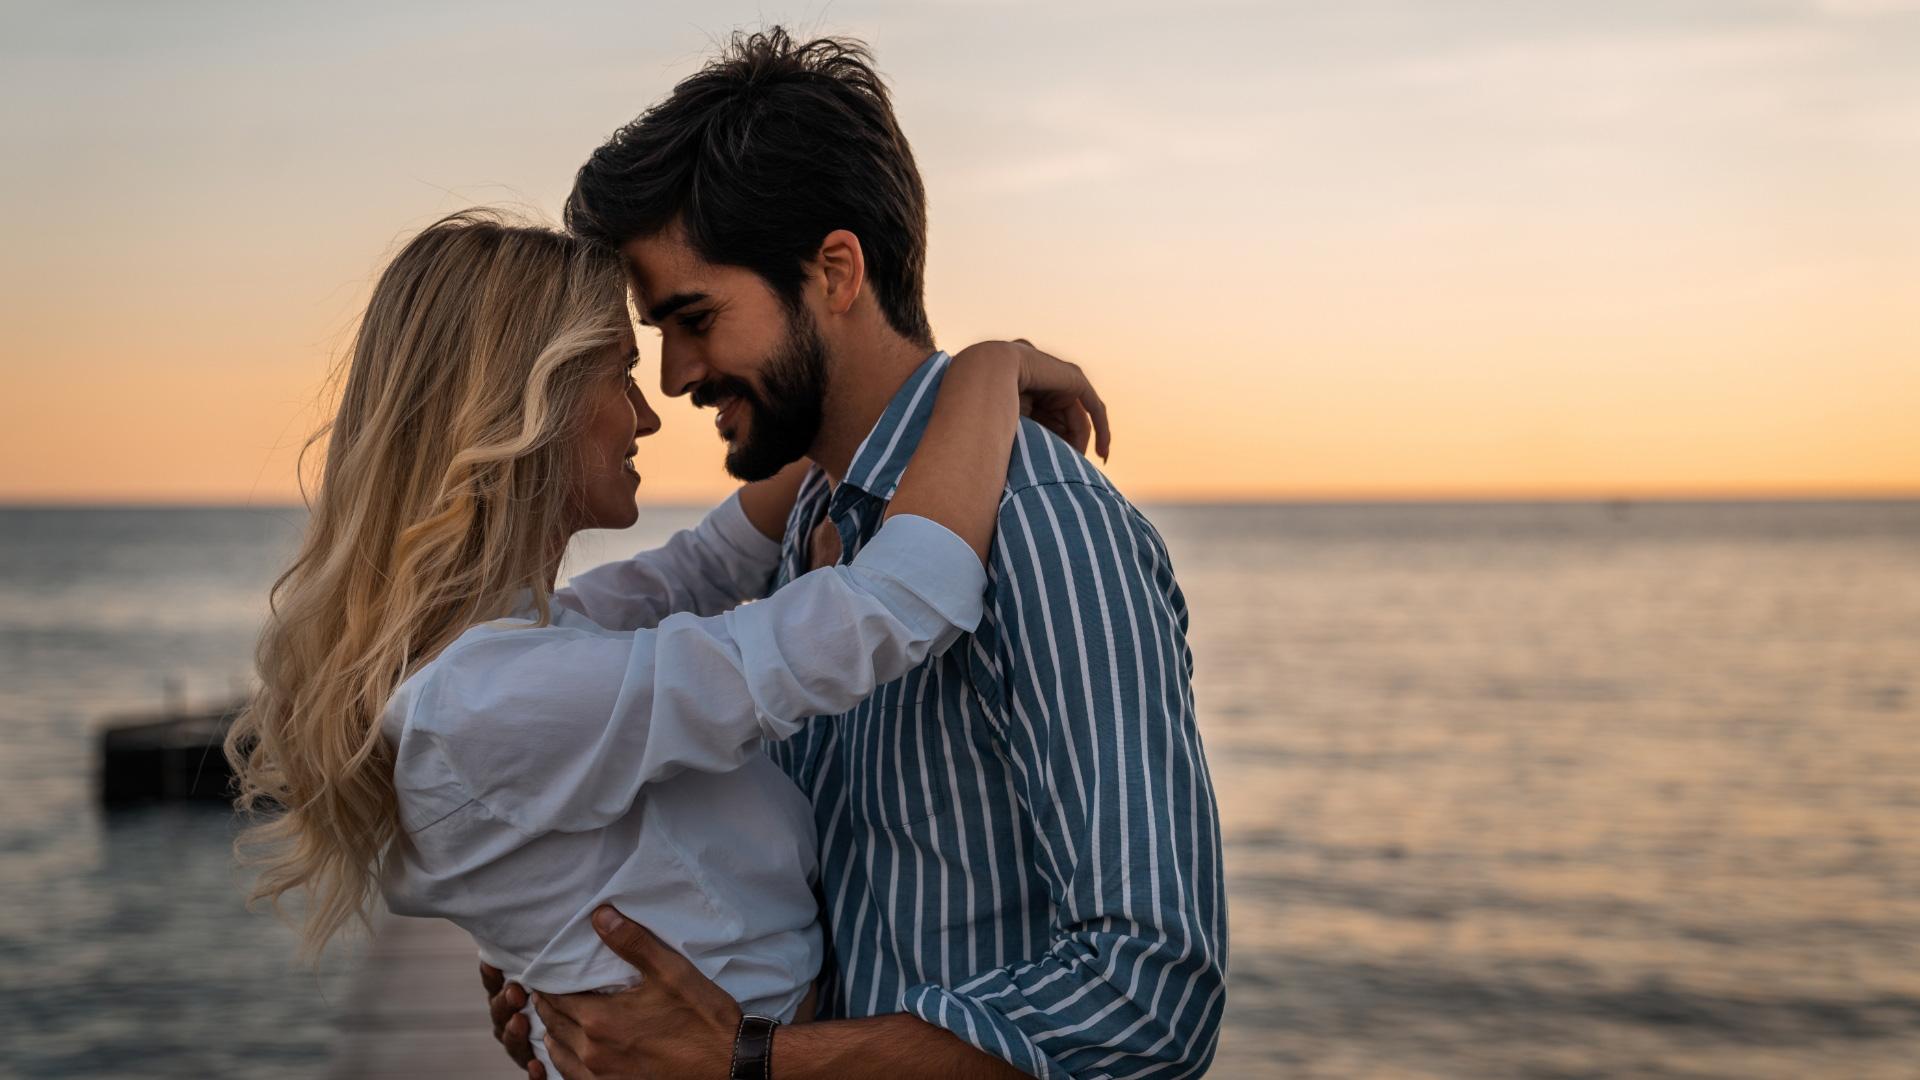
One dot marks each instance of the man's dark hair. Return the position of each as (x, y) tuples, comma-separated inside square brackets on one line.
[(763, 152)]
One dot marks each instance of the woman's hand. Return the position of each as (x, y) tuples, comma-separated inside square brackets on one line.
[(1055, 393)]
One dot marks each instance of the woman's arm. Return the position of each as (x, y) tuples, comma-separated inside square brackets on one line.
[(957, 474), (557, 728), (960, 468)]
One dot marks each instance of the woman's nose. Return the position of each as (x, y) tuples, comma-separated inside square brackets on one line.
[(645, 420)]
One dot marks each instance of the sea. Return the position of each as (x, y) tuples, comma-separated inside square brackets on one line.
[(1539, 790)]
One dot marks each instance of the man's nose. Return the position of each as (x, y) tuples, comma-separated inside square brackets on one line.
[(645, 420), (680, 371)]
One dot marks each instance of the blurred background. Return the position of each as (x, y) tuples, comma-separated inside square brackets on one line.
[(1526, 391)]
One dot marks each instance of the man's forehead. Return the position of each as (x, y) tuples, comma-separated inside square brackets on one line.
[(662, 264)]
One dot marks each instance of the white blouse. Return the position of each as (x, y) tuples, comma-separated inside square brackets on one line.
[(613, 756)]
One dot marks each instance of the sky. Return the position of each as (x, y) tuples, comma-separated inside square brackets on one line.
[(1417, 249)]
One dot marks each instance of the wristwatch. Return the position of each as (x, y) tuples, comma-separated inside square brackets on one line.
[(753, 1049)]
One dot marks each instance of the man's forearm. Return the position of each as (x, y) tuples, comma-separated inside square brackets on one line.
[(880, 1047)]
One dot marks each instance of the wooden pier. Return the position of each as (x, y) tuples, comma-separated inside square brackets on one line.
[(416, 1010)]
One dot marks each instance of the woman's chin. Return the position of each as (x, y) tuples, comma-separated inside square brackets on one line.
[(617, 513)]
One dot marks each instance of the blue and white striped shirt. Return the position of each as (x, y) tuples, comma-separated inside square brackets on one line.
[(1018, 839)]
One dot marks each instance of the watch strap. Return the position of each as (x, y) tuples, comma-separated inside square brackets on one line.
[(753, 1049)]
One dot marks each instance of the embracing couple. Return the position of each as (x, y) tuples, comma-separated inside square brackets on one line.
[(933, 804)]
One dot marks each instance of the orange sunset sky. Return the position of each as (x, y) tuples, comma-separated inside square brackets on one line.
[(1357, 249)]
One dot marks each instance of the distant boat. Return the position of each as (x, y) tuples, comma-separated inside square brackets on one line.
[(167, 757)]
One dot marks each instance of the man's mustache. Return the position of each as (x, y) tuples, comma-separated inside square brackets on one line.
[(714, 391)]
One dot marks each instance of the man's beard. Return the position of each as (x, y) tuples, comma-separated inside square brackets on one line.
[(782, 423)]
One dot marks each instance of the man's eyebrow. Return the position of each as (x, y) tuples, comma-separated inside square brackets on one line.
[(670, 305)]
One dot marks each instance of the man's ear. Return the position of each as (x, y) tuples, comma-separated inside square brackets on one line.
[(843, 270)]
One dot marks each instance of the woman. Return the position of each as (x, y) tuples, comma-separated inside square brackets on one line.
[(437, 723)]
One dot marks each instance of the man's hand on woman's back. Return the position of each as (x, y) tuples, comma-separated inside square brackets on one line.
[(510, 1026)]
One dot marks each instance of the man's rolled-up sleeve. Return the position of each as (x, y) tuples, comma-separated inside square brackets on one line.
[(1098, 719)]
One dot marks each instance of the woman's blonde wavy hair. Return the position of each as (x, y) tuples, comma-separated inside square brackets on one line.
[(446, 489)]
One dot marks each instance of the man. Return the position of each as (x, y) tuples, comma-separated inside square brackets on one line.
[(1020, 857)]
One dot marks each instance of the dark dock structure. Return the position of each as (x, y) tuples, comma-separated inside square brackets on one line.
[(171, 756), (416, 1011)]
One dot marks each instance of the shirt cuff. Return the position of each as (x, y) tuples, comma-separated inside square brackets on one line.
[(928, 560), (731, 526), (983, 1028)]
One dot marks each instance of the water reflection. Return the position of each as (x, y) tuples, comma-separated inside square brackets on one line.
[(1529, 791)]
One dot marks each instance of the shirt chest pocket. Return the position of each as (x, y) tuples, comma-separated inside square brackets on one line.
[(896, 757)]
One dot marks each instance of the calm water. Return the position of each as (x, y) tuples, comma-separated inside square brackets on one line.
[(1527, 791)]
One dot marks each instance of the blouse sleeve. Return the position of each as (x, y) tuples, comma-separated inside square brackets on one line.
[(705, 570), (556, 728)]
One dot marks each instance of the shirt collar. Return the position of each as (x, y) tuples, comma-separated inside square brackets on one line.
[(880, 460)]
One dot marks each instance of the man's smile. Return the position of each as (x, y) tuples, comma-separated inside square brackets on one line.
[(729, 412)]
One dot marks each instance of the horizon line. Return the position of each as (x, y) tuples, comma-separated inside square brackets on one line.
[(1200, 499)]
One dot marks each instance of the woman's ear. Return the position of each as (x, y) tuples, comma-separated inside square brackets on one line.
[(843, 270)]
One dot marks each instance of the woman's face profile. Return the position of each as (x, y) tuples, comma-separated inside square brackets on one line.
[(615, 416)]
